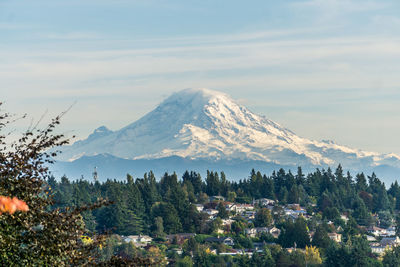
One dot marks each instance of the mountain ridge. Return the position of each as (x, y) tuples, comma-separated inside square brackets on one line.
[(209, 125)]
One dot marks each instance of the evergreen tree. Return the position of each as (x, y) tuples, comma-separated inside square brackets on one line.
[(212, 184), (321, 238), (159, 227), (359, 253), (331, 213), (398, 225), (268, 188), (361, 182), (224, 186), (283, 259), (263, 218), (294, 234), (222, 212), (170, 217), (361, 213), (338, 256), (391, 257), (283, 195), (300, 178), (294, 195)]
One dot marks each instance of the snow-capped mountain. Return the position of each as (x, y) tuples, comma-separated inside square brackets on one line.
[(201, 124)]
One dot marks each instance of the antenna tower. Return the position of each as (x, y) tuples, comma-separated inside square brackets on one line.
[(95, 174)]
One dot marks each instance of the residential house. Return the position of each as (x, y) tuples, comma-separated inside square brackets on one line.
[(264, 202), (180, 237), (339, 229), (227, 222), (390, 241), (377, 248), (385, 244), (291, 214), (220, 231), (235, 252), (243, 207), (259, 245), (223, 240), (217, 198), (199, 207), (252, 232), (138, 240), (391, 231), (275, 232), (178, 251), (335, 237), (344, 217), (228, 241), (293, 206), (231, 207), (376, 231), (249, 215), (211, 212)]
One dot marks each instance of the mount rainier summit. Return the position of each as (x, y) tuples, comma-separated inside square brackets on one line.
[(200, 129)]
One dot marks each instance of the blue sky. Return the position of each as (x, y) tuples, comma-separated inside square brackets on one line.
[(326, 69)]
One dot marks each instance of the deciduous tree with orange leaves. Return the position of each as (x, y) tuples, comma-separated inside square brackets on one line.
[(39, 235), (11, 205)]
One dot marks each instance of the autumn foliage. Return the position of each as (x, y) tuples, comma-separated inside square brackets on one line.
[(11, 205), (312, 255), (40, 235)]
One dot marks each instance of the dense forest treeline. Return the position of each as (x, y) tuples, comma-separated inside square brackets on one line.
[(80, 222), (147, 206)]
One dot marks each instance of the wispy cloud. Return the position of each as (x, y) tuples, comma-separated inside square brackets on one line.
[(318, 62), (77, 36), (13, 26), (344, 6)]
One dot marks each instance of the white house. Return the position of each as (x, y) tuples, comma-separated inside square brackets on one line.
[(385, 244), (138, 240), (252, 232), (344, 217), (243, 207), (391, 231), (228, 241), (275, 232), (376, 231), (264, 202), (378, 249), (227, 222), (199, 207), (335, 237), (231, 207), (211, 211)]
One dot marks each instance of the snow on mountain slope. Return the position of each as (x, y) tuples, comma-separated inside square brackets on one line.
[(205, 124)]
